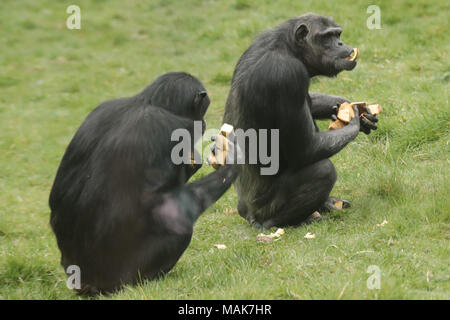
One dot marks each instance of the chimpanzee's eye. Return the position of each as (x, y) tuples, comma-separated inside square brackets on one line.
[(328, 38)]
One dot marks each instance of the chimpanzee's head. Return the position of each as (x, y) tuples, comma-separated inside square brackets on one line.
[(318, 45), (180, 93)]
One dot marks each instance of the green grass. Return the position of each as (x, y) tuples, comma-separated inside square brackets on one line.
[(51, 77)]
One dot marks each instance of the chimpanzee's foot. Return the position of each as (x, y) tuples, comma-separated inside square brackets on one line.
[(333, 203), (251, 219), (256, 225)]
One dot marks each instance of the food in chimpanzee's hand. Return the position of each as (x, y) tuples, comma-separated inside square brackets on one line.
[(345, 113), (218, 157)]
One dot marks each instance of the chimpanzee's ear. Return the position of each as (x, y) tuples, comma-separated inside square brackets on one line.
[(198, 99), (301, 32)]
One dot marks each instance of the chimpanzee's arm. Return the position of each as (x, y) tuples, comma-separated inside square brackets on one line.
[(311, 145), (327, 143), (199, 195), (178, 210), (323, 106)]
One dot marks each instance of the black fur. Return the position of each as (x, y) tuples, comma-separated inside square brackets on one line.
[(270, 90), (120, 209)]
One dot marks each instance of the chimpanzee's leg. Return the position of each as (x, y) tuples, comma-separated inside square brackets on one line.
[(297, 195), (172, 217)]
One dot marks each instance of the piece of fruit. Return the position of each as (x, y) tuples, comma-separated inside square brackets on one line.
[(346, 113), (375, 109), (219, 158), (309, 236), (354, 55)]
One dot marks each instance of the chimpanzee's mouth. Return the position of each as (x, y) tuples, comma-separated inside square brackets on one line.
[(353, 55)]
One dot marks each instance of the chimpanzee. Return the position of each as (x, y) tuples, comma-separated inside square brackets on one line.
[(269, 90), (120, 208)]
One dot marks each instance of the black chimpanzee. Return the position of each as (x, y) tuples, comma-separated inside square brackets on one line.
[(269, 90), (120, 208)]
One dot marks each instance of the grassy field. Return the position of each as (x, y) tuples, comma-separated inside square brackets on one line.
[(51, 77)]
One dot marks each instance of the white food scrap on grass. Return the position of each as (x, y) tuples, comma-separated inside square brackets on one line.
[(277, 233), (220, 246), (269, 237), (309, 235), (382, 224), (263, 238)]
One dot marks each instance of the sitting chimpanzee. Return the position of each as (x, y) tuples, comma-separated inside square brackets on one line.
[(120, 208), (269, 90)]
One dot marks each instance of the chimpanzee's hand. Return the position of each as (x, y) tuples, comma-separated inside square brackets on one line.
[(334, 111), (368, 122), (335, 108), (355, 122)]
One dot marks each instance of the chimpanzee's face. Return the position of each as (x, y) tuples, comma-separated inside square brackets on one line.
[(322, 50)]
